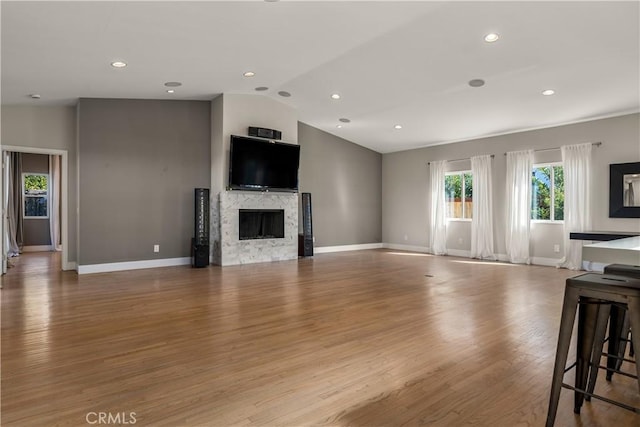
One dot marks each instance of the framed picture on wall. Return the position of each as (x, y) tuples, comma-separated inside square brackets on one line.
[(624, 190)]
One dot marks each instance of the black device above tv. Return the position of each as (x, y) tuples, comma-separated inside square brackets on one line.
[(260, 164)]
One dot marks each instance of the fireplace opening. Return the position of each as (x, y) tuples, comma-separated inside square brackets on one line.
[(261, 224)]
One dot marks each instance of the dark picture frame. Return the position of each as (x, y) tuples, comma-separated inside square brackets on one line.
[(617, 209)]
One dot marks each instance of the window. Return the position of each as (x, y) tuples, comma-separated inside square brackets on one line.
[(547, 195), (36, 195), (458, 194)]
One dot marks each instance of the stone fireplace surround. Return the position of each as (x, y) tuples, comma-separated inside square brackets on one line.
[(235, 251)]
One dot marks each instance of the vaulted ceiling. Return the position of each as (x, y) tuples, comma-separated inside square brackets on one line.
[(392, 63)]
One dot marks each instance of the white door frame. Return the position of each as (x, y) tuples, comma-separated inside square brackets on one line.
[(4, 224), (64, 196)]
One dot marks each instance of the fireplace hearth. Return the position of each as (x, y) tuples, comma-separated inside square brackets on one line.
[(257, 224)]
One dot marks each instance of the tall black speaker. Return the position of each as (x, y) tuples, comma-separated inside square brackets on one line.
[(200, 241), (305, 240)]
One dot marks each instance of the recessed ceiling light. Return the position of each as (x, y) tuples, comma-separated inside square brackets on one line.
[(335, 96), (284, 93), (548, 92), (170, 91), (339, 126), (118, 64), (397, 127), (491, 37), (249, 74), (262, 88), (35, 96), (343, 120), (476, 82), (173, 84)]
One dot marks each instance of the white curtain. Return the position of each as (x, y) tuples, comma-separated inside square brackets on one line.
[(438, 229), (482, 220), (518, 204), (14, 204), (54, 202), (576, 161)]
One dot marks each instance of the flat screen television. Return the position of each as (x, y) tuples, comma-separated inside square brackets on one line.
[(263, 165)]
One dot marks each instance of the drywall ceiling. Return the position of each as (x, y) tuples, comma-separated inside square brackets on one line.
[(393, 63)]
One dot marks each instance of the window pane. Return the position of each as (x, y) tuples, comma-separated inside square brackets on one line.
[(558, 193), (453, 195), (35, 206), (468, 195), (35, 185), (541, 193)]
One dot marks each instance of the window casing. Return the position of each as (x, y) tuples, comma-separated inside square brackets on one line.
[(458, 194), (35, 195), (547, 192)]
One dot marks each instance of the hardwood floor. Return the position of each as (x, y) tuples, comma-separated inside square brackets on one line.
[(366, 338)]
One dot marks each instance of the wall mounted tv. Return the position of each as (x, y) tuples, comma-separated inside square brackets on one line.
[(262, 165)]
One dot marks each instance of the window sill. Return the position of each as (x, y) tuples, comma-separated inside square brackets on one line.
[(546, 221), (35, 217), (459, 219)]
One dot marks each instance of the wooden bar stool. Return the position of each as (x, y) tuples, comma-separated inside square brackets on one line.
[(619, 329), (594, 293)]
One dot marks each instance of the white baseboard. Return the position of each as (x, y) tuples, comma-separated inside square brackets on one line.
[(69, 266), (411, 248), (502, 257), (459, 253), (39, 248), (547, 262), (344, 248), (132, 265)]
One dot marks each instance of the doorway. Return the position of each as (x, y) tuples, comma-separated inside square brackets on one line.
[(50, 203)]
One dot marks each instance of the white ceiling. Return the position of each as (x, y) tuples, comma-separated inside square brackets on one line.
[(393, 62)]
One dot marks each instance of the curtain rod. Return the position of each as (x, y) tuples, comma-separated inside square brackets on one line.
[(596, 144), (459, 160)]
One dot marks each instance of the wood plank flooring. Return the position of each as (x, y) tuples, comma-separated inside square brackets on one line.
[(365, 338)]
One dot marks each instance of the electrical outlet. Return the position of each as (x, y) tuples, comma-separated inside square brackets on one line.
[(156, 248), (556, 248), (314, 239)]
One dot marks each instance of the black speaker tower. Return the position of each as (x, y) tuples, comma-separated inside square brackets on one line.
[(305, 240), (200, 243)]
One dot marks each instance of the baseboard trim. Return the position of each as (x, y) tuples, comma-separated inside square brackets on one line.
[(132, 265), (344, 248), (547, 262), (459, 253), (410, 248), (69, 266), (37, 248)]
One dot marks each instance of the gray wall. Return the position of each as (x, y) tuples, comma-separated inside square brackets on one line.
[(36, 231), (50, 128), (345, 182), (405, 177), (139, 162)]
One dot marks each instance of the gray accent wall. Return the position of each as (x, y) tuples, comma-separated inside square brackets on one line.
[(36, 231), (345, 182), (49, 128), (139, 163), (405, 176)]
